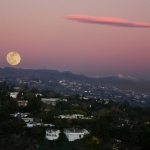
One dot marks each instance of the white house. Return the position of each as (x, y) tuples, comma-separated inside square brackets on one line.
[(52, 101), (78, 116), (46, 125), (38, 94), (30, 124), (22, 115), (52, 134), (28, 119), (73, 116), (66, 116), (13, 94), (17, 88), (74, 133)]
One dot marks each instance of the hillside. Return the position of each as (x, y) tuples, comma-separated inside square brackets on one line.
[(124, 83)]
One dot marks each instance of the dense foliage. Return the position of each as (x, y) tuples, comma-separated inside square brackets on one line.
[(113, 125)]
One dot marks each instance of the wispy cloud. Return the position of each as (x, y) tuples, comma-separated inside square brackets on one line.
[(106, 21)]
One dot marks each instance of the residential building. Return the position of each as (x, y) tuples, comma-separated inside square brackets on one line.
[(28, 119), (52, 101), (13, 94), (75, 133), (22, 102), (73, 116), (52, 134), (38, 94)]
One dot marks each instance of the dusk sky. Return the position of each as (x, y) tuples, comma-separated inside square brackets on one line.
[(90, 37)]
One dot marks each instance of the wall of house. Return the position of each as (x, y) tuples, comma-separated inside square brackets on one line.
[(28, 119), (74, 136), (13, 94), (52, 135)]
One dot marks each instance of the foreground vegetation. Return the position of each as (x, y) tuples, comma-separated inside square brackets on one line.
[(113, 125)]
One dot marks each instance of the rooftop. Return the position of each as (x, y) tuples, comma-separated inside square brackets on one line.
[(73, 130)]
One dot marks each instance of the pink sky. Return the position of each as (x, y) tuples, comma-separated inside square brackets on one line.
[(46, 40)]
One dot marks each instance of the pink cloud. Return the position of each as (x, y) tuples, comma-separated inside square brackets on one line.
[(106, 21)]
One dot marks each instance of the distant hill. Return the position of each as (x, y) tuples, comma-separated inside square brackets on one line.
[(124, 83), (66, 75)]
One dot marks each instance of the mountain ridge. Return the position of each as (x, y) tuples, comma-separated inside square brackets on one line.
[(125, 82)]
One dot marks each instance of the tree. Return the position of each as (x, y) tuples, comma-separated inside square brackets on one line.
[(126, 104), (91, 141), (34, 104), (69, 121)]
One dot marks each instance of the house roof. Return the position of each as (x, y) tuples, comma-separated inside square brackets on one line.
[(51, 130), (73, 130)]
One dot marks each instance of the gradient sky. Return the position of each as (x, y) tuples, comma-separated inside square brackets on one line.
[(94, 38)]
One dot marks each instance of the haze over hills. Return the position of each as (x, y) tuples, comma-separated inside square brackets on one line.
[(121, 81)]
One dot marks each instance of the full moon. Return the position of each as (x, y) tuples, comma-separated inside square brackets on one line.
[(13, 58)]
